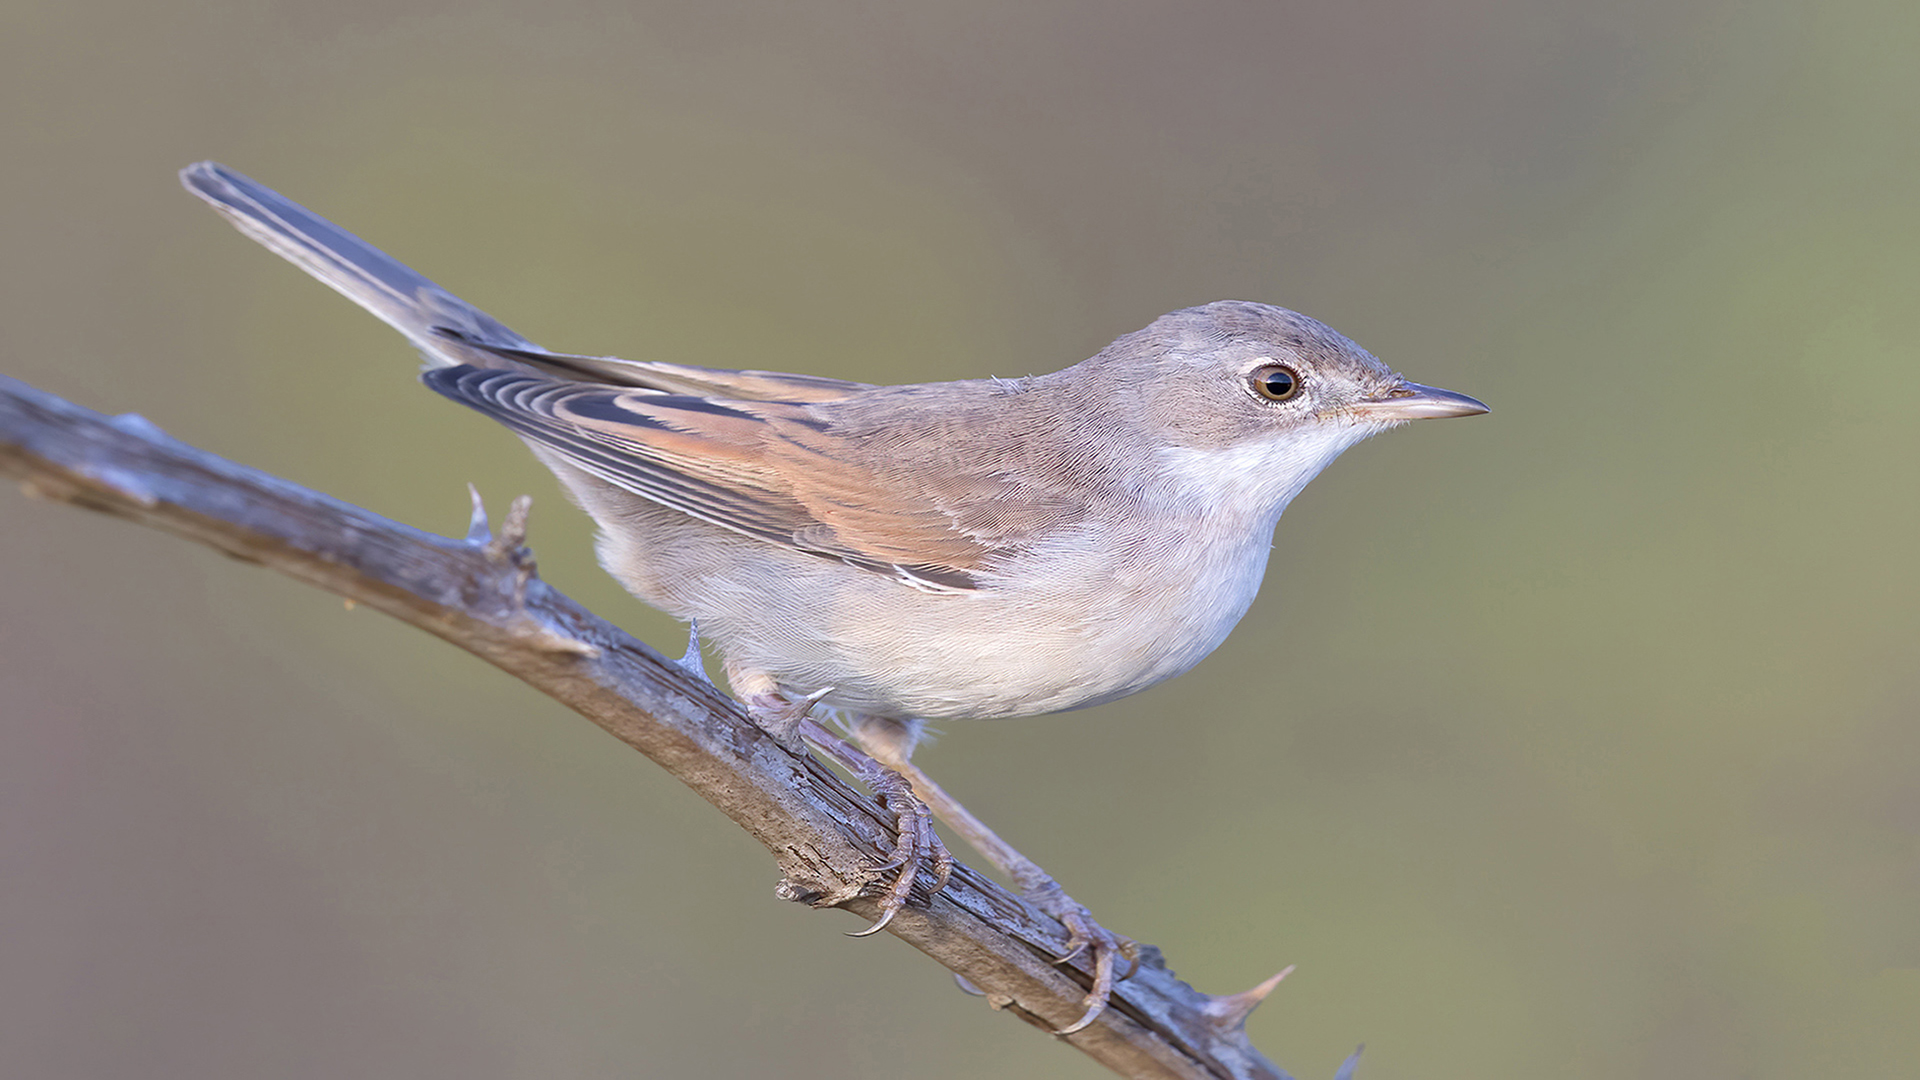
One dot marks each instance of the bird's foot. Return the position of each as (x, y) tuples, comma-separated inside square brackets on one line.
[(1084, 935), (918, 847), (890, 741), (781, 716)]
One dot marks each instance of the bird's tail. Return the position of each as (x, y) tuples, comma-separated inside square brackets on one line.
[(444, 327)]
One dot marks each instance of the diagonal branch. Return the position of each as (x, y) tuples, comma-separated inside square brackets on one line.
[(483, 595)]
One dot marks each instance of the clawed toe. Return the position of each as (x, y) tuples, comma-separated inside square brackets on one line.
[(913, 803), (779, 715), (918, 845), (1083, 935)]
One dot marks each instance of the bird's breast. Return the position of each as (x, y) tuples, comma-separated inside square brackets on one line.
[(1076, 621)]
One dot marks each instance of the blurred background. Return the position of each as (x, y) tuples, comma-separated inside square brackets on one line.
[(1578, 740)]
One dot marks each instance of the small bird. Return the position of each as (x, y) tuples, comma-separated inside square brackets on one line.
[(960, 550)]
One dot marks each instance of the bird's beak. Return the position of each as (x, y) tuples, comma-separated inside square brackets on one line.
[(1411, 401)]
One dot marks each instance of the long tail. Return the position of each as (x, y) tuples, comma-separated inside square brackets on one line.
[(439, 323), (446, 329)]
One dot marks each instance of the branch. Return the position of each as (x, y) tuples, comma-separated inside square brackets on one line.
[(483, 595)]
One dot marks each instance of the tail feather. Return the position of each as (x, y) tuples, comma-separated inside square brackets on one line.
[(389, 289), (447, 330)]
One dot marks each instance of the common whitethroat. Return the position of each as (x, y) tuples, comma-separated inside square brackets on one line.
[(975, 549)]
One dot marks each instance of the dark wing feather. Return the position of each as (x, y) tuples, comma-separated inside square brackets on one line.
[(668, 378), (759, 468)]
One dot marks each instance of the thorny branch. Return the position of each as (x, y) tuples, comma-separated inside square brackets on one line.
[(482, 594)]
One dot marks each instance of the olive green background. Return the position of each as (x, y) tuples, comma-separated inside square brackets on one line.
[(1574, 741)]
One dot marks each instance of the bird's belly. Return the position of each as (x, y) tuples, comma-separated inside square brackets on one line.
[(1083, 623), (1041, 642)]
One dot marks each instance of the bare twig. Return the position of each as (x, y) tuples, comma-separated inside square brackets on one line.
[(482, 594)]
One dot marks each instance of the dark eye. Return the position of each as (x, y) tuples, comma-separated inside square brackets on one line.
[(1275, 382)]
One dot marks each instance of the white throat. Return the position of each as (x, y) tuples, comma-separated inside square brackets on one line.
[(1256, 480)]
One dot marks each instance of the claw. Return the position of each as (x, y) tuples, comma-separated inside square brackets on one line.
[(917, 841), (896, 897), (1096, 998), (890, 740), (784, 718), (942, 862), (886, 916), (1093, 1013), (1083, 934), (1101, 993)]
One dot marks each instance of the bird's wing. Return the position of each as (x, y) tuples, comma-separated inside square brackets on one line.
[(670, 378), (775, 471)]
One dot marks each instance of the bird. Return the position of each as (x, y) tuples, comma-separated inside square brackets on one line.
[(974, 549)]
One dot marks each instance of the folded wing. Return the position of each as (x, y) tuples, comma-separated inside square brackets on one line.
[(765, 469)]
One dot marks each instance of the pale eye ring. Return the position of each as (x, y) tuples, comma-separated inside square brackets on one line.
[(1275, 382)]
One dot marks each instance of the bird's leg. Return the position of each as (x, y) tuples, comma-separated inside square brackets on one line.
[(788, 720), (917, 842), (890, 742), (771, 709)]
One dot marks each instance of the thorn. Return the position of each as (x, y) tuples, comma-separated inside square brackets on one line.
[(691, 663), (139, 425), (1347, 1066), (1229, 1011), (349, 602), (478, 531), (547, 639), (513, 531), (967, 987), (515, 527)]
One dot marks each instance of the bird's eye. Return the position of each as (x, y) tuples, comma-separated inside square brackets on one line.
[(1275, 382)]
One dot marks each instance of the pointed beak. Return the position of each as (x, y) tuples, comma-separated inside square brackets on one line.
[(1411, 401)]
